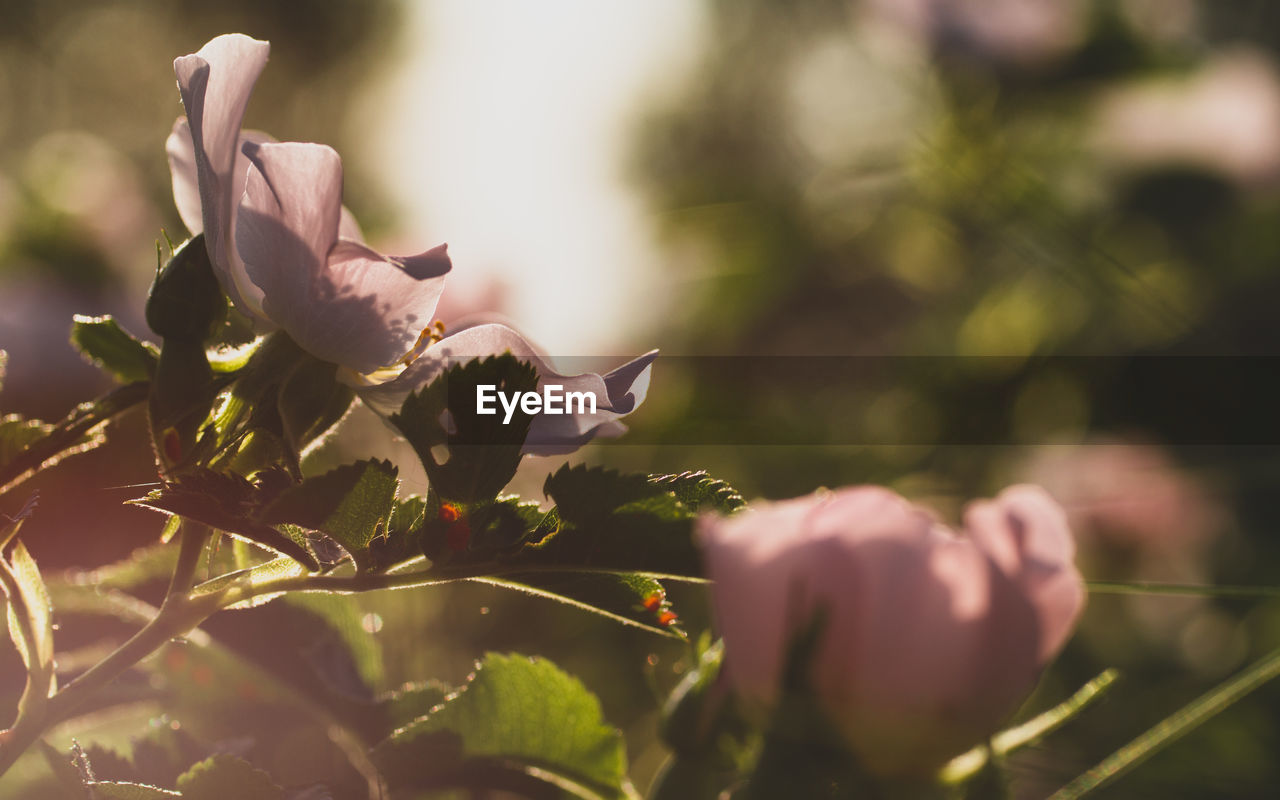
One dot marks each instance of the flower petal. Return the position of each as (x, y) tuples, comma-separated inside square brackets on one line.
[(340, 300), (288, 222), (379, 307), (1025, 532), (617, 393), (216, 83), (186, 184), (348, 228)]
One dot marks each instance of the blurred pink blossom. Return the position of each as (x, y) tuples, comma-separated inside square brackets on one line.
[(1126, 493), (1018, 31), (1224, 117), (932, 639)]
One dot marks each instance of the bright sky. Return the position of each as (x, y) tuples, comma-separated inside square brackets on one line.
[(505, 132)]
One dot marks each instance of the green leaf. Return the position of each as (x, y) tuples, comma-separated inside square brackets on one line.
[(16, 434), (63, 769), (227, 502), (109, 347), (182, 395), (698, 491), (519, 722), (310, 402), (351, 504), (120, 790), (588, 495), (483, 453), (614, 522), (486, 530), (10, 524), (223, 777), (186, 301), (30, 626), (400, 541), (34, 603)]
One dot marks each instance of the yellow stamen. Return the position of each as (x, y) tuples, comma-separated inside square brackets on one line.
[(429, 336)]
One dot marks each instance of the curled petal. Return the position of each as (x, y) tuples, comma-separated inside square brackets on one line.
[(1026, 533), (216, 83), (340, 300), (617, 393)]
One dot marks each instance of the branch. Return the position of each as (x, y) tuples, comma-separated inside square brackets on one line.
[(179, 615), (369, 582), (193, 537)]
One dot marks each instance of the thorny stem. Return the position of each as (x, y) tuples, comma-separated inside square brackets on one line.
[(177, 616), (367, 582), (193, 537)]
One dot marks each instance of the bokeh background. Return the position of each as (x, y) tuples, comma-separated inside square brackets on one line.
[(944, 245)]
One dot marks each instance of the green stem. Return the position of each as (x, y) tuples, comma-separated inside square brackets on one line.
[(193, 536), (368, 582), (177, 616), (1194, 589), (1173, 727)]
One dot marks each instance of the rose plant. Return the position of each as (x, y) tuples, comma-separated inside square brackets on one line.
[(904, 645)]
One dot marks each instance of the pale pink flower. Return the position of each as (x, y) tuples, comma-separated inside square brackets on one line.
[(290, 256), (931, 639), (205, 159), (300, 263)]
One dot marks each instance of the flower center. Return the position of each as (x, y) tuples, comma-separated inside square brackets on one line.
[(429, 336)]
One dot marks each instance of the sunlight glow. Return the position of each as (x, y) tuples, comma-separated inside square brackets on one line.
[(506, 135)]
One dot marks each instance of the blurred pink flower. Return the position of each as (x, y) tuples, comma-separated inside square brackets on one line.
[(1127, 493), (1018, 31), (931, 641), (1223, 117)]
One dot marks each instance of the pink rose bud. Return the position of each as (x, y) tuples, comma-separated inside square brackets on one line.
[(931, 639)]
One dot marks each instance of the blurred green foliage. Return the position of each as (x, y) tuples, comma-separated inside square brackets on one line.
[(840, 179)]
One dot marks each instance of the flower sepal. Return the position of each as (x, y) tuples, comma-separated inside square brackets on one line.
[(186, 301), (804, 753)]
